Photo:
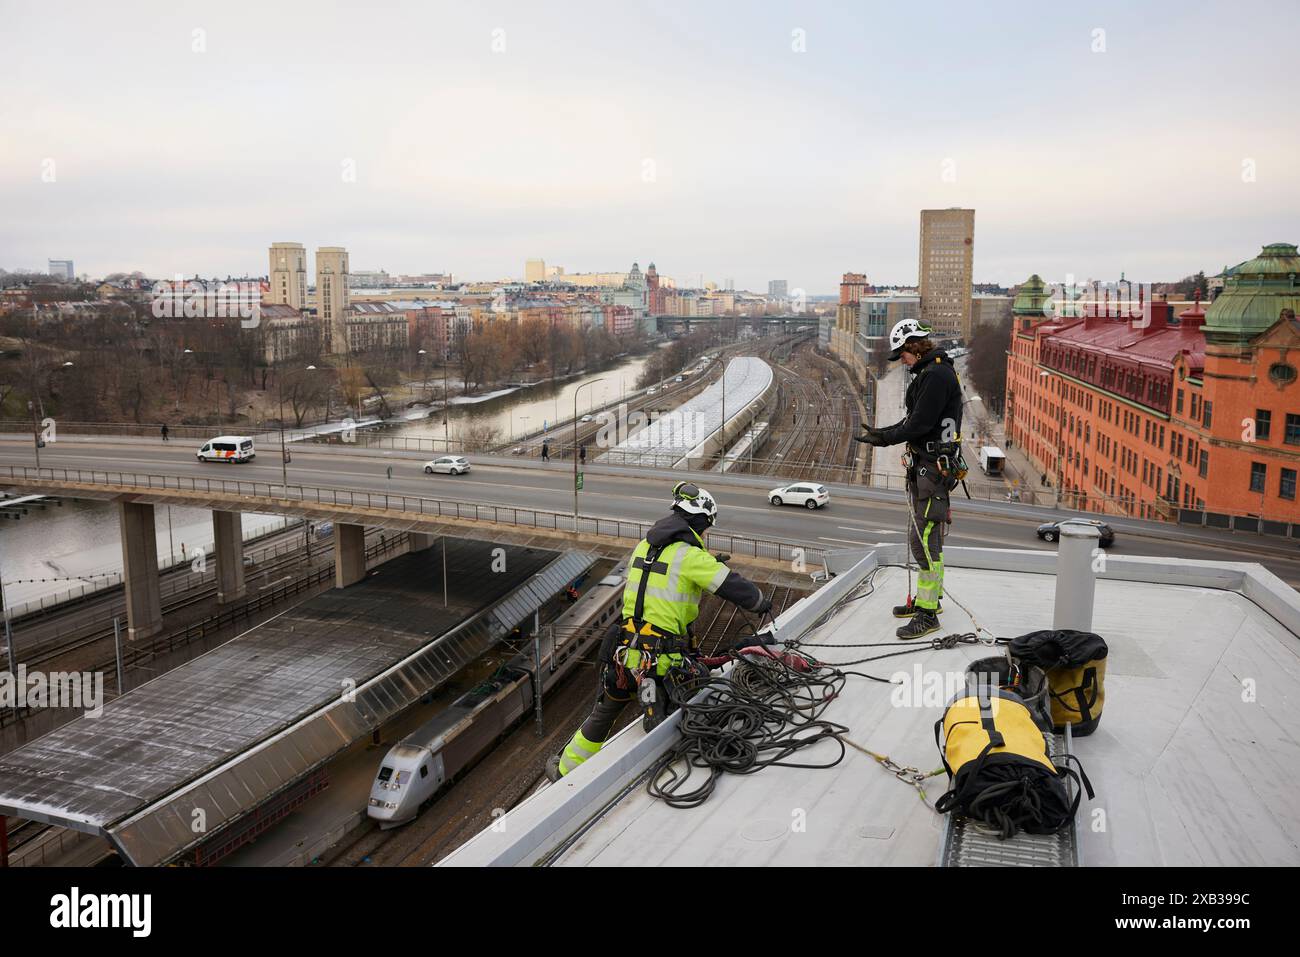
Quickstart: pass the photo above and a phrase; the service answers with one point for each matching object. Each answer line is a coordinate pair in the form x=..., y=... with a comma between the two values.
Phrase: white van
x=227, y=448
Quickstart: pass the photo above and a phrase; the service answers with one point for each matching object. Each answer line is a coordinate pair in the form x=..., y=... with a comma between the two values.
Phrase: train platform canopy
x=173, y=762
x=674, y=434
x=1196, y=760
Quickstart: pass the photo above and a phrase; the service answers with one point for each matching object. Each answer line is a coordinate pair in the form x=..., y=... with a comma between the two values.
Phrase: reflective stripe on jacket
x=677, y=577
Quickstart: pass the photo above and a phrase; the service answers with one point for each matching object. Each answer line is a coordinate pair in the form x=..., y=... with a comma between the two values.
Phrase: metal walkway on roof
x=966, y=844
x=170, y=764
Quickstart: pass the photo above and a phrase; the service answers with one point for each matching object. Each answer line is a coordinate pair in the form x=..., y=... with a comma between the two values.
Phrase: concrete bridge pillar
x=419, y=541
x=228, y=534
x=140, y=570
x=349, y=554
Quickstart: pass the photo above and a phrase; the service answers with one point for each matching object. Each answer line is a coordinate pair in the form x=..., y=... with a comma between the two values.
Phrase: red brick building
x=1193, y=417
x=853, y=286
x=654, y=294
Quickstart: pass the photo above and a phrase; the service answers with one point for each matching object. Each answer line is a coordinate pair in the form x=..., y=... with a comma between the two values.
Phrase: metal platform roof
x=215, y=737
x=1196, y=760
x=678, y=432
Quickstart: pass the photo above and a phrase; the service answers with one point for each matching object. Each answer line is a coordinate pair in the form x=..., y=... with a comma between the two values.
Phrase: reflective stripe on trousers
x=929, y=579
x=578, y=750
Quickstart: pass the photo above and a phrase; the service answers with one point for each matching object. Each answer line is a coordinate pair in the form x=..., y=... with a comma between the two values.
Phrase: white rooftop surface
x=681, y=430
x=1187, y=768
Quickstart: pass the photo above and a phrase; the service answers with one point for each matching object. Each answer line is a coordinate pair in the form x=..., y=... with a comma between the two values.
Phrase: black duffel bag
x=1075, y=663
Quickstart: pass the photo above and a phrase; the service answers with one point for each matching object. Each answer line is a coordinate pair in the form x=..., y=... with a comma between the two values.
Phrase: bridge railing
x=433, y=508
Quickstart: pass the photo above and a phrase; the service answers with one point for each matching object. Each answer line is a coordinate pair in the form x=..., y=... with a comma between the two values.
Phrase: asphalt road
x=846, y=522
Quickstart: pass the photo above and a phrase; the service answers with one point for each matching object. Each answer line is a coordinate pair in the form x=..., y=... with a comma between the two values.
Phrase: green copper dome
x=1031, y=297
x=1254, y=295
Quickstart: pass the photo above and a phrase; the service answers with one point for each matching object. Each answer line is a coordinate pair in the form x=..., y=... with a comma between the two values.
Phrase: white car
x=451, y=464
x=587, y=418
x=227, y=448
x=807, y=494
x=652, y=391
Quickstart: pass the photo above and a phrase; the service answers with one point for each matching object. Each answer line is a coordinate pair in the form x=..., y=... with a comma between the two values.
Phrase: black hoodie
x=677, y=526
x=933, y=403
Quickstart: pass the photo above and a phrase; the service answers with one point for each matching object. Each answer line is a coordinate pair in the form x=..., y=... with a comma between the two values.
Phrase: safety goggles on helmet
x=693, y=500
x=685, y=490
x=902, y=333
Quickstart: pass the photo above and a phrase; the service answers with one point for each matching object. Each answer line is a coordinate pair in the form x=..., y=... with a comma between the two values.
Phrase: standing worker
x=651, y=654
x=932, y=431
x=546, y=451
x=164, y=432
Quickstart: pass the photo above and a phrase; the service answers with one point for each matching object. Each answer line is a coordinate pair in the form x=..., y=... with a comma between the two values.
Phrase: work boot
x=910, y=609
x=922, y=623
x=553, y=768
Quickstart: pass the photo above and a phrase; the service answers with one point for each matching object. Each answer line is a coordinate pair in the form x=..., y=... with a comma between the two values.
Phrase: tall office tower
x=535, y=270
x=947, y=255
x=62, y=268
x=288, y=275
x=332, y=297
x=777, y=288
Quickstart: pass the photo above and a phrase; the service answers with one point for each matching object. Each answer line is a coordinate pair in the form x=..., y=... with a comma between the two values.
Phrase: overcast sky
x=696, y=135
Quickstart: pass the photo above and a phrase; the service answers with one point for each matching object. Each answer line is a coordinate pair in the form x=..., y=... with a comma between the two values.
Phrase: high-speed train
x=433, y=754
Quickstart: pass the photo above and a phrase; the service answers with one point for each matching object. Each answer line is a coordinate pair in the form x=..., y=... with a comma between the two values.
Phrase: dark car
x=1051, y=531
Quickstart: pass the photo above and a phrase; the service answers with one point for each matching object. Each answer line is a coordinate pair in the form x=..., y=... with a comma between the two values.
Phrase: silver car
x=449, y=464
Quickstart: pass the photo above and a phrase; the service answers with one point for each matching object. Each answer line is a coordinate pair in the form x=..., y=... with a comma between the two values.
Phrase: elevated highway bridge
x=520, y=501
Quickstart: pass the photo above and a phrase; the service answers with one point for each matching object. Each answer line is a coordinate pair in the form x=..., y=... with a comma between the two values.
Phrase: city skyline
x=472, y=140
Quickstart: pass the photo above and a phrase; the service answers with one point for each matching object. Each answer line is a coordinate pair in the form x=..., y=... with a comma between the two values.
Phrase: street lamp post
x=575, y=449
x=446, y=407
x=724, y=404
x=284, y=448
x=36, y=433
x=1058, y=448
x=176, y=405
x=10, y=653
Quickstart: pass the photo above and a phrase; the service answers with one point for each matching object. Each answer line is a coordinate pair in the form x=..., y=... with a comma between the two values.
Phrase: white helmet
x=901, y=333
x=693, y=500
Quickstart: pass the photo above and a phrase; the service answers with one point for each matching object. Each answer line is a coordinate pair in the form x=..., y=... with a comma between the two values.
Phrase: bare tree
x=478, y=436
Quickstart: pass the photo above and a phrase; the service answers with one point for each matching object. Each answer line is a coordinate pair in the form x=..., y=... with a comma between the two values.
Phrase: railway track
x=816, y=424
x=102, y=608
x=503, y=778
x=515, y=768
x=273, y=570
x=89, y=655
x=672, y=395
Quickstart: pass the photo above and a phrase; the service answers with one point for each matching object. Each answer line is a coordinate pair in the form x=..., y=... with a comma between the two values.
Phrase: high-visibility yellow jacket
x=668, y=584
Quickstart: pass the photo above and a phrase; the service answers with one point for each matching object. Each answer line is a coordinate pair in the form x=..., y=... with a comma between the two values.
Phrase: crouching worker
x=652, y=654
x=932, y=431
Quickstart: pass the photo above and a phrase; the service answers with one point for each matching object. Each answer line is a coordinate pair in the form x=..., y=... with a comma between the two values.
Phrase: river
x=529, y=409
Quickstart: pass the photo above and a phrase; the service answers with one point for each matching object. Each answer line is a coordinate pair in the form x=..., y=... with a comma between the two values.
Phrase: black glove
x=871, y=436
x=722, y=557
x=764, y=606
